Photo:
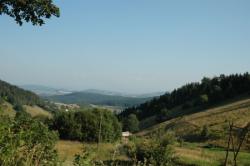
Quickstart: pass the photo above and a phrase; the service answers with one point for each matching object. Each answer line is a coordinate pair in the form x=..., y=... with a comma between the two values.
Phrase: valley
x=194, y=135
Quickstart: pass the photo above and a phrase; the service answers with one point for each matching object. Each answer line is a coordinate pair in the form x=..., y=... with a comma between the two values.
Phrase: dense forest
x=193, y=96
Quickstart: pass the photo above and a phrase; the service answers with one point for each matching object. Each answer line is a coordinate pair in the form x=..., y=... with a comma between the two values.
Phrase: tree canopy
x=89, y=125
x=131, y=123
x=34, y=11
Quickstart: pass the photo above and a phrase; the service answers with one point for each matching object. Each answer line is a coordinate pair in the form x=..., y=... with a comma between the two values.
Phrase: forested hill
x=17, y=96
x=193, y=97
x=83, y=98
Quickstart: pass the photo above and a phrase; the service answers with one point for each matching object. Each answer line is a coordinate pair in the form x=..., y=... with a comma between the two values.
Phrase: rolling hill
x=92, y=97
x=192, y=98
x=196, y=150
x=13, y=98
x=216, y=118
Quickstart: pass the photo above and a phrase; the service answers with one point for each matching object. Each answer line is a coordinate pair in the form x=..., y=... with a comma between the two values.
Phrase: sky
x=133, y=46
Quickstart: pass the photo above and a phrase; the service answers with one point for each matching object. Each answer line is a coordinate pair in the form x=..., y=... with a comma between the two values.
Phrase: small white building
x=126, y=134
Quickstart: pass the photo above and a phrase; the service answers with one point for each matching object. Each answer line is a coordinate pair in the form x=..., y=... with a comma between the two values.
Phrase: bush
x=26, y=142
x=18, y=107
x=86, y=158
x=151, y=152
x=205, y=133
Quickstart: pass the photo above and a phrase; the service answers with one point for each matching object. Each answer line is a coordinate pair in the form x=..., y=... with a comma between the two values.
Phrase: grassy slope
x=37, y=111
x=7, y=109
x=217, y=120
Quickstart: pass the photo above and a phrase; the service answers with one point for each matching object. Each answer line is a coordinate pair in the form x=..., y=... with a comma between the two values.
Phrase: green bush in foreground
x=86, y=158
x=152, y=152
x=26, y=142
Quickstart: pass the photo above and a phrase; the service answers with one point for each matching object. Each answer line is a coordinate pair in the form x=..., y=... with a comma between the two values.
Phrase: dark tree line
x=87, y=126
x=202, y=94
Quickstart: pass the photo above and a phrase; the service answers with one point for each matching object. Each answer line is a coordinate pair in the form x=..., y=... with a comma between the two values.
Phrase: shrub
x=205, y=132
x=151, y=152
x=86, y=158
x=26, y=142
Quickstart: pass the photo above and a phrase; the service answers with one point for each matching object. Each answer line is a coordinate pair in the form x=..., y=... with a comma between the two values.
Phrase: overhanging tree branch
x=34, y=11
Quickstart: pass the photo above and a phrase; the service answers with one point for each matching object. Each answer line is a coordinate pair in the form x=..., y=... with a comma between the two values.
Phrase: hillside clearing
x=216, y=118
x=35, y=111
x=6, y=109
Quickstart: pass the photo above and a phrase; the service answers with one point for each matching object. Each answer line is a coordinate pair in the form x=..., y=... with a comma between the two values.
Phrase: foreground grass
x=193, y=155
x=68, y=149
x=189, y=154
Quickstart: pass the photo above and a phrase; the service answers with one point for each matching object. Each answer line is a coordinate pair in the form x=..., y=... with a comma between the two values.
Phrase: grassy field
x=187, y=154
x=216, y=119
x=68, y=149
x=192, y=154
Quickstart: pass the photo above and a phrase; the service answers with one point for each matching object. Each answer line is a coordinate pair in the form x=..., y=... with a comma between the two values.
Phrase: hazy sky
x=131, y=46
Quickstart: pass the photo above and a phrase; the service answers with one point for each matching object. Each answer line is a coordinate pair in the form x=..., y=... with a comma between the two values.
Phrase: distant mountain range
x=83, y=98
x=112, y=93
x=91, y=96
x=48, y=91
x=44, y=90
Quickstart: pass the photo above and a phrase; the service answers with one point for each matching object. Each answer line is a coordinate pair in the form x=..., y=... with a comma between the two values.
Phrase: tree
x=85, y=125
x=131, y=123
x=205, y=132
x=163, y=115
x=34, y=11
